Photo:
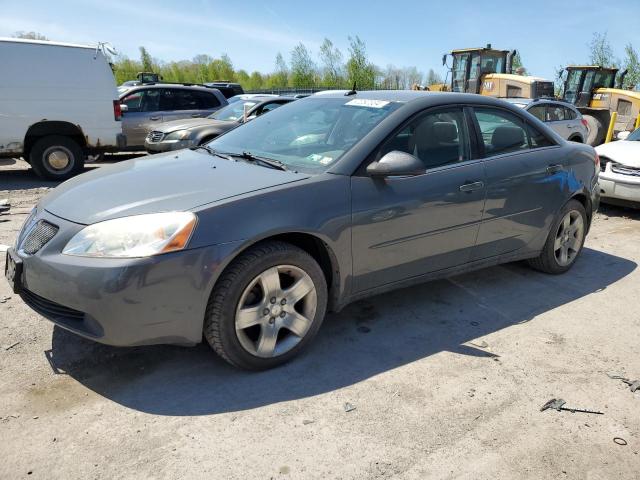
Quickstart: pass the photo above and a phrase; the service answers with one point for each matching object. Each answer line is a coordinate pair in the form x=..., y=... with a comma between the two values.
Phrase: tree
x=359, y=70
x=516, y=64
x=332, y=66
x=30, y=36
x=280, y=77
x=632, y=65
x=303, y=69
x=433, y=78
x=145, y=60
x=601, y=51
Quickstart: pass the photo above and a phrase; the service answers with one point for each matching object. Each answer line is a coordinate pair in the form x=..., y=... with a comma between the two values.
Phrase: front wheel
x=565, y=240
x=266, y=307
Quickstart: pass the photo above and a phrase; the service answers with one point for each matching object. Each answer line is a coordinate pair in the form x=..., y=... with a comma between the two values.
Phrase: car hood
x=159, y=183
x=188, y=123
x=622, y=151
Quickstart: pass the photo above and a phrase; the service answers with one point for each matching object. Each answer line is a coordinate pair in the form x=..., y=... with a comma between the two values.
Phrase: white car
x=620, y=169
x=58, y=104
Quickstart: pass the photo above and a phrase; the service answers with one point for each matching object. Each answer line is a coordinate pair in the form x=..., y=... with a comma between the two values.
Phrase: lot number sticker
x=364, y=102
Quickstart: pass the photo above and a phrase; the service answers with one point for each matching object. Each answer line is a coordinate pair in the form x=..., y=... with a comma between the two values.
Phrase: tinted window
x=184, y=100
x=555, y=113
x=537, y=139
x=143, y=101
x=269, y=107
x=437, y=138
x=569, y=114
x=206, y=100
x=538, y=112
x=502, y=132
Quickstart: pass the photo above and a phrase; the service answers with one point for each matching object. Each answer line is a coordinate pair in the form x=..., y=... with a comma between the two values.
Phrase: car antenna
x=352, y=91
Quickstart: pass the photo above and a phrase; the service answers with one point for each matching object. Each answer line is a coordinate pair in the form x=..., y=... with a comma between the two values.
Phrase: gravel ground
x=443, y=380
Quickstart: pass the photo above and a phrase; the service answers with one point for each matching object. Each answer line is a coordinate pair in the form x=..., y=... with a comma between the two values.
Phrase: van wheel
x=56, y=157
x=565, y=240
x=266, y=307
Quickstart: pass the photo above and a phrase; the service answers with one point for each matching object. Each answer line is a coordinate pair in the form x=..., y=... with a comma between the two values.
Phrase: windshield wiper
x=211, y=151
x=267, y=162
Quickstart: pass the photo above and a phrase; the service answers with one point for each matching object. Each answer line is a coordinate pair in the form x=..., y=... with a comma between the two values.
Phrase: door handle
x=571, y=126
x=195, y=115
x=154, y=118
x=470, y=187
x=551, y=169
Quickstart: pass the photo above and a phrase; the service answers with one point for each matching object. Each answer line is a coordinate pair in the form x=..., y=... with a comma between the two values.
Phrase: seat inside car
x=435, y=143
x=507, y=139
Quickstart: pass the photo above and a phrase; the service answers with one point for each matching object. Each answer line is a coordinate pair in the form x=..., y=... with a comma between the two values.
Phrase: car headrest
x=505, y=137
x=444, y=132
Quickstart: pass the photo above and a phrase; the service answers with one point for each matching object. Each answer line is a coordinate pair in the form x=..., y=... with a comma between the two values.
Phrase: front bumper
x=618, y=186
x=123, y=302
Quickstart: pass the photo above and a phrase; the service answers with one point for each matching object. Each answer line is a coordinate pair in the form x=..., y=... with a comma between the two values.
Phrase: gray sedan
x=252, y=238
x=196, y=131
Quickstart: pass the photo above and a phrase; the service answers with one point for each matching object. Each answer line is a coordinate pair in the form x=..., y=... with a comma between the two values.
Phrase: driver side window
x=437, y=138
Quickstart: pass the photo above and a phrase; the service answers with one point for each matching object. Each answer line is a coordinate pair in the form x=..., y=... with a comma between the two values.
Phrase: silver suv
x=561, y=116
x=146, y=106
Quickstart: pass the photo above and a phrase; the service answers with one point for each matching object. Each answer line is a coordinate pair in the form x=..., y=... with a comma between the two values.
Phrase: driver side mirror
x=396, y=164
x=124, y=107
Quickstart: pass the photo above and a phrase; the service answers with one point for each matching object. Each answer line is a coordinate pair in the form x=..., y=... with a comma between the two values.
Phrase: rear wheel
x=266, y=307
x=565, y=240
x=595, y=127
x=56, y=157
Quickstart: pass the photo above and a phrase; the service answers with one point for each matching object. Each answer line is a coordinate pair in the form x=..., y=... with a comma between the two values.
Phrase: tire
x=248, y=346
x=595, y=130
x=550, y=259
x=56, y=157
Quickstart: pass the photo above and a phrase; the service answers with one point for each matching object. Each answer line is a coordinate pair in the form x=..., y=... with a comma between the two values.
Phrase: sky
x=547, y=33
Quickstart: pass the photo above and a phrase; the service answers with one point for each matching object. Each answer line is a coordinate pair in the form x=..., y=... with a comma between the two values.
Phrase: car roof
x=529, y=102
x=170, y=85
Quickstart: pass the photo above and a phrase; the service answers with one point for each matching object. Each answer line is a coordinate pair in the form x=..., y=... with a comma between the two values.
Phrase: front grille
x=39, y=235
x=624, y=170
x=50, y=309
x=155, y=136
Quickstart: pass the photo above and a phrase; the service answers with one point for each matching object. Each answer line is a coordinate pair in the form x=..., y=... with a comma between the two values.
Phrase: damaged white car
x=620, y=169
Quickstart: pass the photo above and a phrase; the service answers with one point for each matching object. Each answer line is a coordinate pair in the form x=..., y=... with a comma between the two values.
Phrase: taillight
x=584, y=122
x=117, y=111
x=596, y=160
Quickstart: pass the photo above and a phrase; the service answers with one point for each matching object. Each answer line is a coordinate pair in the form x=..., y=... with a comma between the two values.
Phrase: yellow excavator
x=488, y=71
x=594, y=91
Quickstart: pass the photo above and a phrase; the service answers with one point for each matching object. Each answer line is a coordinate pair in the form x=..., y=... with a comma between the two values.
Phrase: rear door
x=178, y=103
x=404, y=227
x=143, y=112
x=557, y=120
x=526, y=182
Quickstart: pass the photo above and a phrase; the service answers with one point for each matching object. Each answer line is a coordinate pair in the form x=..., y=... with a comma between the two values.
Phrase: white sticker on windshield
x=365, y=102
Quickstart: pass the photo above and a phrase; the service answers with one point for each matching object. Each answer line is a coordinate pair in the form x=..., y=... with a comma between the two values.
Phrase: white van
x=58, y=104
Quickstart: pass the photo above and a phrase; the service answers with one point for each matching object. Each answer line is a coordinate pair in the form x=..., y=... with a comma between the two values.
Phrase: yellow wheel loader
x=593, y=90
x=489, y=72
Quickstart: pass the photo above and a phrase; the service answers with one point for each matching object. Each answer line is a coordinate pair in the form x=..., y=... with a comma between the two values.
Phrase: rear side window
x=437, y=138
x=502, y=132
x=555, y=113
x=569, y=114
x=206, y=101
x=537, y=139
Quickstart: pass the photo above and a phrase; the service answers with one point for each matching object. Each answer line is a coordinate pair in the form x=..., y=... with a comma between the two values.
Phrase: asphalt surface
x=442, y=380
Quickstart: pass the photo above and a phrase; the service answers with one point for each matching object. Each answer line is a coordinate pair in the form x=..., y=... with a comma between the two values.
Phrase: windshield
x=307, y=135
x=233, y=111
x=634, y=136
x=492, y=62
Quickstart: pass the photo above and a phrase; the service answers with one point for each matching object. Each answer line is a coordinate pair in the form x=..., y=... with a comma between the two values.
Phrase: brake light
x=117, y=111
x=584, y=122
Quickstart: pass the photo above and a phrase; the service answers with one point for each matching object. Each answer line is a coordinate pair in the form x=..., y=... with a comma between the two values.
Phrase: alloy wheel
x=275, y=311
x=569, y=238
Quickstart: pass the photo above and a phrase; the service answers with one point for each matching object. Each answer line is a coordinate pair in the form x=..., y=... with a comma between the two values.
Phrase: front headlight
x=135, y=236
x=178, y=135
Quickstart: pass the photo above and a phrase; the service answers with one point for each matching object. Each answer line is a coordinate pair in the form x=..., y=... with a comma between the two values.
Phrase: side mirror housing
x=622, y=135
x=396, y=164
x=124, y=107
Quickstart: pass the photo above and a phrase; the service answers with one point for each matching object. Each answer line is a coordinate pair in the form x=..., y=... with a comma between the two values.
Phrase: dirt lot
x=447, y=380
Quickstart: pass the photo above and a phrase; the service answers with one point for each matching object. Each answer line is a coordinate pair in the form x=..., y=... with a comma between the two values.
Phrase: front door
x=143, y=111
x=404, y=227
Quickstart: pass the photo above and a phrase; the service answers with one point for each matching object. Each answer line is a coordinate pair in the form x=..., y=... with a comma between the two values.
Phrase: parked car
x=228, y=89
x=620, y=169
x=191, y=132
x=563, y=117
x=252, y=238
x=146, y=106
x=248, y=96
x=58, y=104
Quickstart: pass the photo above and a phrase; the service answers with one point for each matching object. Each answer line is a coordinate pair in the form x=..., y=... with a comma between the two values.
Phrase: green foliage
x=359, y=70
x=632, y=65
x=30, y=35
x=601, y=51
x=145, y=60
x=302, y=67
x=332, y=69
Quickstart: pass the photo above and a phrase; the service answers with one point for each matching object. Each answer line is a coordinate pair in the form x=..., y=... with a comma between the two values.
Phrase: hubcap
x=57, y=158
x=569, y=238
x=275, y=311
